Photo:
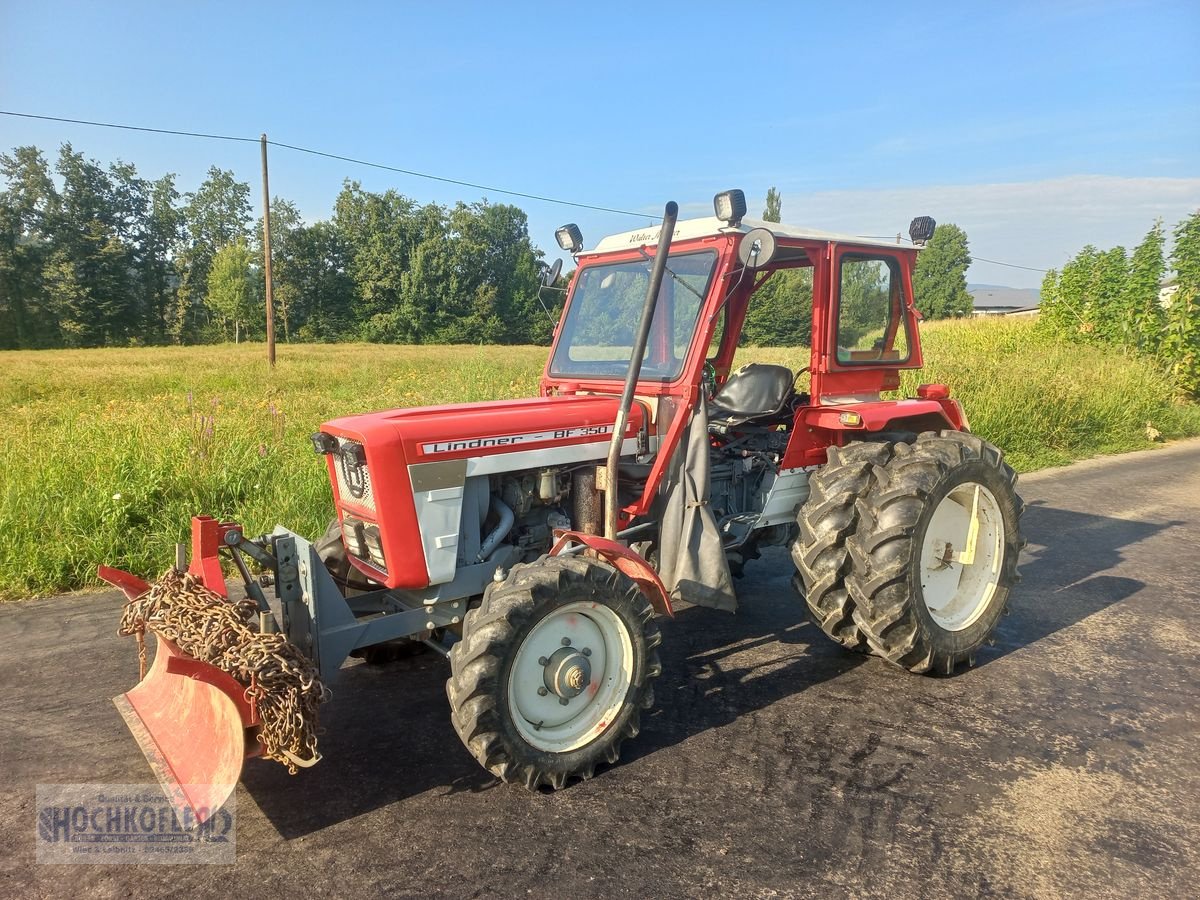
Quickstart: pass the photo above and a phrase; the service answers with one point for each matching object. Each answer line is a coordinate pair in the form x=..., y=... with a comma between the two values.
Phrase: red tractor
x=537, y=542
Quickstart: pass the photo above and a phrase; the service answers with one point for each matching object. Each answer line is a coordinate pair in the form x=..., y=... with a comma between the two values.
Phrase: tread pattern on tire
x=827, y=519
x=881, y=556
x=476, y=685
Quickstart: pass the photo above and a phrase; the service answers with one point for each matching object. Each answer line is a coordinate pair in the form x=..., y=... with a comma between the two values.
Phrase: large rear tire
x=827, y=519
x=935, y=553
x=553, y=671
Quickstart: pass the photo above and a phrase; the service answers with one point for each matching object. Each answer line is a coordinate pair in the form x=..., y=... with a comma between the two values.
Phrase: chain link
x=282, y=685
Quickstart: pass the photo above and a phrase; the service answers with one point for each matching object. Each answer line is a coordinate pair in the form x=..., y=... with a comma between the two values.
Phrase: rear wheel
x=827, y=519
x=935, y=552
x=553, y=671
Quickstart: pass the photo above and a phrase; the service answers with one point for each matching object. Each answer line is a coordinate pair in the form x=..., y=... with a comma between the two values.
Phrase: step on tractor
x=539, y=543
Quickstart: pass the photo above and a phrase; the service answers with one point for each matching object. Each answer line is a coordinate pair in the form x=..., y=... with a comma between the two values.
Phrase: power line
x=974, y=259
x=197, y=134
x=411, y=172
x=349, y=159
x=470, y=184
x=996, y=262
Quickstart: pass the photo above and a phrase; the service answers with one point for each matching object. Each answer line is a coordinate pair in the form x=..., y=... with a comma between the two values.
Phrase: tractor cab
x=845, y=300
x=863, y=327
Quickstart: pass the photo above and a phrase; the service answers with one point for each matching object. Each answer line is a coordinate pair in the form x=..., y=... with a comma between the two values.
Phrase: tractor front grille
x=353, y=479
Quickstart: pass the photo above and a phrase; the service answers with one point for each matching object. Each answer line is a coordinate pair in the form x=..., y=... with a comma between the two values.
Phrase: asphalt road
x=774, y=764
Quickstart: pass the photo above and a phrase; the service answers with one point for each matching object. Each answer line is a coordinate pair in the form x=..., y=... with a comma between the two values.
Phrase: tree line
x=94, y=255
x=1144, y=301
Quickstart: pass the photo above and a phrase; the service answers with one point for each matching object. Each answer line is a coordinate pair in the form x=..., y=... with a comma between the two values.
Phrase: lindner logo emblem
x=354, y=469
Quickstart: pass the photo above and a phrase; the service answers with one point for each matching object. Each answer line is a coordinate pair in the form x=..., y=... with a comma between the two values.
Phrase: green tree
x=216, y=214
x=1105, y=295
x=1142, y=312
x=28, y=207
x=940, y=276
x=321, y=305
x=1181, y=342
x=1052, y=314
x=231, y=287
x=286, y=224
x=161, y=236
x=91, y=268
x=381, y=231
x=495, y=274
x=780, y=312
x=1075, y=288
x=774, y=210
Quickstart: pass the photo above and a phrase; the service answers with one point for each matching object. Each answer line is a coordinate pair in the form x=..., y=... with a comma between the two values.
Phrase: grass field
x=108, y=453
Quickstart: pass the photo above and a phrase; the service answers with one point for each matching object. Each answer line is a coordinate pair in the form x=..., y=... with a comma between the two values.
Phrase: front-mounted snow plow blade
x=192, y=722
x=196, y=722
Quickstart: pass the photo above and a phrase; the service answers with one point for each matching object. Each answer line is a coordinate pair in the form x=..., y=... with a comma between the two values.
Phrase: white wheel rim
x=541, y=717
x=961, y=556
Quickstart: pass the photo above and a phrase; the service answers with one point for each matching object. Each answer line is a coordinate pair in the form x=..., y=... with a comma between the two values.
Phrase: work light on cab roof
x=730, y=207
x=538, y=543
x=570, y=238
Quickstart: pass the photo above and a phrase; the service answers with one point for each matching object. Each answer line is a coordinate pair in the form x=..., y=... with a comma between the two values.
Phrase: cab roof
x=711, y=225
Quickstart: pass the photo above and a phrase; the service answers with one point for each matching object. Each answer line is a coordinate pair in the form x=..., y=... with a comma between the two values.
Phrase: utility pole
x=267, y=258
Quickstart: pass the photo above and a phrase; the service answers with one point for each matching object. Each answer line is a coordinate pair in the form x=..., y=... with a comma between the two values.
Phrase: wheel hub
x=567, y=672
x=962, y=555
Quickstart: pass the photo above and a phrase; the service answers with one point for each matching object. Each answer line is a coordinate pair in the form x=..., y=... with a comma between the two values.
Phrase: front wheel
x=553, y=670
x=935, y=553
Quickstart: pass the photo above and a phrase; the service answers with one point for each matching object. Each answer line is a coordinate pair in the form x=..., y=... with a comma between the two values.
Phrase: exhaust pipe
x=635, y=368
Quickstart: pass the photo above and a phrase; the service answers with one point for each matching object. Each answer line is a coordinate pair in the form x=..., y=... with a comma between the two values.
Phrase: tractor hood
x=401, y=473
x=472, y=430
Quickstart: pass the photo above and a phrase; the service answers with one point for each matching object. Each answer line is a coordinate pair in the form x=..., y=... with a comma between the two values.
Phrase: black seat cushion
x=757, y=389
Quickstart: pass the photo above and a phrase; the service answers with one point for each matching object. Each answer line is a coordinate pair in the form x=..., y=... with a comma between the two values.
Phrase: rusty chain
x=282, y=685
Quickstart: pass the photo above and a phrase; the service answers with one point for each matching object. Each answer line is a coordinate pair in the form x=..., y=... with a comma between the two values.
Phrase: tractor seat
x=752, y=392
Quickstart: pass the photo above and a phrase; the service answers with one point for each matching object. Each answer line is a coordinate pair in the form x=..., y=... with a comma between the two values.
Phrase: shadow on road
x=1062, y=574
x=388, y=736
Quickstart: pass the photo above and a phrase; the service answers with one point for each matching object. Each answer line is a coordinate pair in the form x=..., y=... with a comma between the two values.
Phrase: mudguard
x=623, y=560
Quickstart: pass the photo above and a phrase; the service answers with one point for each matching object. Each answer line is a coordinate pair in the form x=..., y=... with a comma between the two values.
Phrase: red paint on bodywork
x=396, y=439
x=208, y=536
x=623, y=560
x=131, y=586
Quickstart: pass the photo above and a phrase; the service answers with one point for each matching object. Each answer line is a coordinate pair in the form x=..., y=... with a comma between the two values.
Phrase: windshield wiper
x=646, y=256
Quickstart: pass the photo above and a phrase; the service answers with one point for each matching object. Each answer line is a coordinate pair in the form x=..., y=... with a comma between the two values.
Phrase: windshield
x=597, y=336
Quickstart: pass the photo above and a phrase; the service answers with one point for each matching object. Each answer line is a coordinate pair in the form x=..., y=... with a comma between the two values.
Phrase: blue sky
x=1037, y=127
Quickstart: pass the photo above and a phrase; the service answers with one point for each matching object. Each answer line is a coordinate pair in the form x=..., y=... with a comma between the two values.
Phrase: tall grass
x=108, y=453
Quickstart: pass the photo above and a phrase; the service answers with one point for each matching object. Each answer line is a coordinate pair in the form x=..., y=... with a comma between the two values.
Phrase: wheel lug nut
x=586, y=651
x=563, y=701
x=542, y=692
x=543, y=661
x=566, y=642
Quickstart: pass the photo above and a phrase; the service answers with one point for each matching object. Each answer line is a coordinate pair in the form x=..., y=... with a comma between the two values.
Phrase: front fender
x=623, y=560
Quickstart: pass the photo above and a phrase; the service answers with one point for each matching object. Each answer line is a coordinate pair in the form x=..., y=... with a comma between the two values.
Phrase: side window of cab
x=872, y=326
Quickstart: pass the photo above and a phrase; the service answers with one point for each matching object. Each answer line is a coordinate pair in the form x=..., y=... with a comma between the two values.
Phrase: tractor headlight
x=730, y=207
x=374, y=542
x=570, y=238
x=324, y=443
x=352, y=536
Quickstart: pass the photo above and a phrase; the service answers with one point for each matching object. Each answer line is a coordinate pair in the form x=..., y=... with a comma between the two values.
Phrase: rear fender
x=623, y=560
x=820, y=427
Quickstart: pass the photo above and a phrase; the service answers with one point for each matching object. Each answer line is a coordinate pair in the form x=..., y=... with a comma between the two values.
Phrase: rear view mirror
x=551, y=272
x=757, y=248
